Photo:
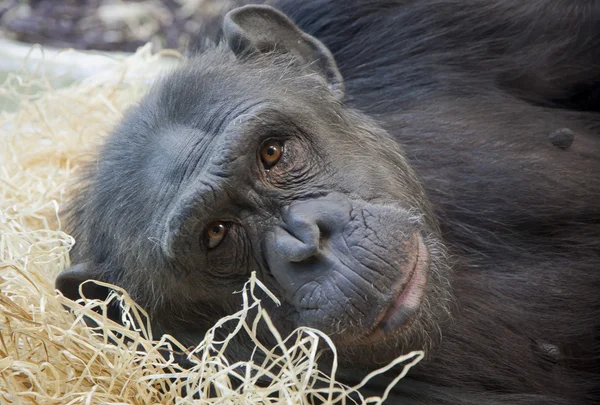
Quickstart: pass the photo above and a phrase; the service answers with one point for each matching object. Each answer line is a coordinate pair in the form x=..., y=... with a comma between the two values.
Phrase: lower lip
x=407, y=301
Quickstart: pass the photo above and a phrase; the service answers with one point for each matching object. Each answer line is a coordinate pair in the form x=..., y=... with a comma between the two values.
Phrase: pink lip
x=409, y=293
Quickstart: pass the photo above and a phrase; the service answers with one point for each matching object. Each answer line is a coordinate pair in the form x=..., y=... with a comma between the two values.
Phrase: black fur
x=473, y=91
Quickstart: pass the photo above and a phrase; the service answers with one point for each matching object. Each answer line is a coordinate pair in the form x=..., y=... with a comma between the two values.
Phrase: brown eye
x=270, y=153
x=216, y=232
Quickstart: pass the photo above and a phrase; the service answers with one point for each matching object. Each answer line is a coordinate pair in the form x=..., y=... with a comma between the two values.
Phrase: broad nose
x=307, y=229
x=300, y=238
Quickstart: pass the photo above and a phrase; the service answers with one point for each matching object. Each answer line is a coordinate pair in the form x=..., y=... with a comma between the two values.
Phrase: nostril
x=324, y=232
x=304, y=255
x=309, y=225
x=300, y=246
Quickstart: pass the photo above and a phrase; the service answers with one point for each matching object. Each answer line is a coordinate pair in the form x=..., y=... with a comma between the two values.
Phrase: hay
x=49, y=355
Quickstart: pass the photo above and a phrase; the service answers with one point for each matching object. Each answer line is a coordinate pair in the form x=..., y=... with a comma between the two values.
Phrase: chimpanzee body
x=474, y=92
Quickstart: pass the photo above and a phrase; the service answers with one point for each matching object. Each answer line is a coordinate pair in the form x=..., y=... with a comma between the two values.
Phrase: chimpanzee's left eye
x=270, y=153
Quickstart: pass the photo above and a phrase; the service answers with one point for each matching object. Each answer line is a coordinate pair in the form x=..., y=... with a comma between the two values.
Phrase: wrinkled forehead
x=214, y=88
x=217, y=142
x=217, y=99
x=215, y=109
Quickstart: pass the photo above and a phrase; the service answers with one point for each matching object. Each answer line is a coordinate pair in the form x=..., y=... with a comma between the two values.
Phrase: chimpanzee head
x=247, y=159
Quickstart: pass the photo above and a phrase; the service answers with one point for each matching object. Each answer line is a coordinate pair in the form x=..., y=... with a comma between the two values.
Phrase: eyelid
x=264, y=160
x=212, y=243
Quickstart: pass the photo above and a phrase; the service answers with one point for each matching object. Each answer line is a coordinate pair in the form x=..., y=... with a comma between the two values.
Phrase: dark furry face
x=338, y=227
x=251, y=157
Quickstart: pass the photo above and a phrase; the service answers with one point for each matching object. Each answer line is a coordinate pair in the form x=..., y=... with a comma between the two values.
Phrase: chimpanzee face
x=246, y=159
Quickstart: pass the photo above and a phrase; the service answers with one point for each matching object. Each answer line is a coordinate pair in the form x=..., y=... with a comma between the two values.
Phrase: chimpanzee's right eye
x=216, y=233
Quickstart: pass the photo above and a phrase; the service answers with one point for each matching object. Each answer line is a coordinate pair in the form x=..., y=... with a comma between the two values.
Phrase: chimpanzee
x=402, y=174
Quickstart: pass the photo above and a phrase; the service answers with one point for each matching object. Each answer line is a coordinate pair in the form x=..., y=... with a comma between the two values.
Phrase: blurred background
x=111, y=25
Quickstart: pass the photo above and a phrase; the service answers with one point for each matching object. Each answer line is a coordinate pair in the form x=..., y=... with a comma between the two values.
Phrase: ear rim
x=232, y=32
x=332, y=73
x=243, y=47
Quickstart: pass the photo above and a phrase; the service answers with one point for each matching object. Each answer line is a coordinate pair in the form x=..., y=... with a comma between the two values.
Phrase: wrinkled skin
x=418, y=201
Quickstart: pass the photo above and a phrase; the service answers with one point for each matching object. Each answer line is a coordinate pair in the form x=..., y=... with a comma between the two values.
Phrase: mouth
x=408, y=295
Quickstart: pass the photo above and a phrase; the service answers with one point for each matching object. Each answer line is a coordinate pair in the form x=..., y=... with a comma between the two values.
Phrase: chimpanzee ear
x=69, y=280
x=261, y=29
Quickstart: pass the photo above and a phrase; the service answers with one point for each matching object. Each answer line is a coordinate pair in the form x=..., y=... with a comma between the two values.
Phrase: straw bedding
x=47, y=354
